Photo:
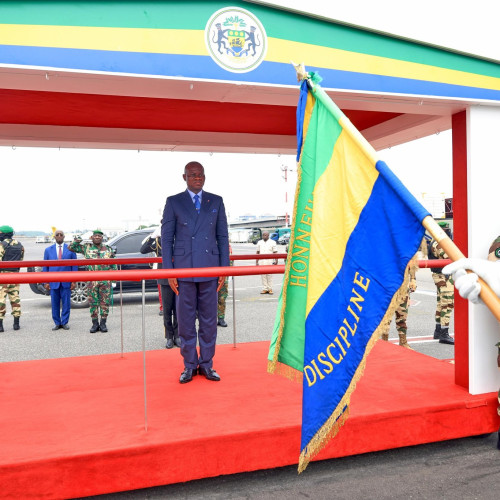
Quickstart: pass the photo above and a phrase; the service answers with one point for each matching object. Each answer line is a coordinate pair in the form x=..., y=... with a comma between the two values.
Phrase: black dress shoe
x=187, y=375
x=209, y=373
x=177, y=341
x=56, y=327
x=221, y=322
x=170, y=344
x=65, y=327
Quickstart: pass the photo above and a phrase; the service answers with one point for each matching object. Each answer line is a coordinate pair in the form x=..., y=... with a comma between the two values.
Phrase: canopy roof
x=145, y=75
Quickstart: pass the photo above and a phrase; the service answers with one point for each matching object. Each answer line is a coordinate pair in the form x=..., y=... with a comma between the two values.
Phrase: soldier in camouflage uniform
x=401, y=313
x=221, y=304
x=469, y=288
x=445, y=292
x=221, y=299
x=100, y=292
x=10, y=249
x=494, y=256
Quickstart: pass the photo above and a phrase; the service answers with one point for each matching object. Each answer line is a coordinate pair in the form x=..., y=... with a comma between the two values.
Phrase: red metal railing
x=120, y=261
x=425, y=263
x=140, y=274
x=148, y=260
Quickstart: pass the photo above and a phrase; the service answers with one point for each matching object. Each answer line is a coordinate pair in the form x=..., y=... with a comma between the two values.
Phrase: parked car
x=276, y=234
x=285, y=239
x=126, y=245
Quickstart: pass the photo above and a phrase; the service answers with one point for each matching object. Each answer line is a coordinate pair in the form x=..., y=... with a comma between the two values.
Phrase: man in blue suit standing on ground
x=60, y=293
x=194, y=234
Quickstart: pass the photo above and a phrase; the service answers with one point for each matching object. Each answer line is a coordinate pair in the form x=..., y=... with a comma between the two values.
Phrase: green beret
x=6, y=229
x=444, y=224
x=98, y=231
x=495, y=246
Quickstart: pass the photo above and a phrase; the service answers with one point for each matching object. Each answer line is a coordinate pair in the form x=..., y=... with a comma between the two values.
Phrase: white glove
x=467, y=284
x=156, y=233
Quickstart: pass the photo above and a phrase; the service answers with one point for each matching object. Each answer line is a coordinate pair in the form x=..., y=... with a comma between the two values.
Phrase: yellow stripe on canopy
x=160, y=41
x=192, y=42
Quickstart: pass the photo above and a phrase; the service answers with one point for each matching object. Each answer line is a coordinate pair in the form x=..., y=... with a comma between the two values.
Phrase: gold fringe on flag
x=278, y=368
x=274, y=366
x=337, y=419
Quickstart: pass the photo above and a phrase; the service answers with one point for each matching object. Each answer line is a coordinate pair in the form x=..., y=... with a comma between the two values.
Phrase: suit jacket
x=189, y=239
x=51, y=254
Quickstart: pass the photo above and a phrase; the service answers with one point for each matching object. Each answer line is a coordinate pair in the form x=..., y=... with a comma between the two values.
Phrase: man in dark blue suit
x=60, y=293
x=194, y=234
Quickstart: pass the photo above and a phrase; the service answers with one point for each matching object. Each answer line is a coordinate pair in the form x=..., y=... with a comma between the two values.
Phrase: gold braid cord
x=337, y=419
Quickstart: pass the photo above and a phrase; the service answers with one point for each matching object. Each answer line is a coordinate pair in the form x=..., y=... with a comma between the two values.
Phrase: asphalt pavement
x=250, y=317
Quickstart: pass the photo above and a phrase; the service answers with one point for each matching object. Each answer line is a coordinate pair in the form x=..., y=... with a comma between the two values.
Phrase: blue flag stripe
x=386, y=237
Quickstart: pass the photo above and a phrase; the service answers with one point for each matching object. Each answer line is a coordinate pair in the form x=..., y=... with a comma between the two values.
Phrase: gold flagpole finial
x=300, y=69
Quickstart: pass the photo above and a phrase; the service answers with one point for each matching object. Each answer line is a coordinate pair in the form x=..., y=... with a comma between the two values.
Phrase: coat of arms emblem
x=236, y=40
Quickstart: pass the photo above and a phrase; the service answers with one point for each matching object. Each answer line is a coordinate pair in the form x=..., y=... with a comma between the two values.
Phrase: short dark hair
x=193, y=164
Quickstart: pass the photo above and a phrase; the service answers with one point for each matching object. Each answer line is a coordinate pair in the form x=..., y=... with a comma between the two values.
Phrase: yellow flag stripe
x=347, y=184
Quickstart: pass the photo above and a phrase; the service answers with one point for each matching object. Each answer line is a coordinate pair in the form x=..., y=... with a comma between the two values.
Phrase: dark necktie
x=60, y=252
x=197, y=205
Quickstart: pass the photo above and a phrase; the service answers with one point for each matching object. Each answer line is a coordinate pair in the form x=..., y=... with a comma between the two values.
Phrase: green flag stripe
x=313, y=163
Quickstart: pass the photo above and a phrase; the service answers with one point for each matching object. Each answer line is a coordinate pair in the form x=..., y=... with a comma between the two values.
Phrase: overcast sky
x=467, y=26
x=88, y=190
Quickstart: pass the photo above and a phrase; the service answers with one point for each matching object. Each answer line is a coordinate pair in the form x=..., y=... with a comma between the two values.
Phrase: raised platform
x=75, y=426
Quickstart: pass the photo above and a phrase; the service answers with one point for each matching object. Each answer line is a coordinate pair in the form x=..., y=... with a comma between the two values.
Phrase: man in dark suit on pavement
x=194, y=234
x=60, y=293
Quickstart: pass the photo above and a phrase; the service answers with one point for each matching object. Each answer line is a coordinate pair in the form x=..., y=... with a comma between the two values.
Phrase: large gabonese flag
x=355, y=229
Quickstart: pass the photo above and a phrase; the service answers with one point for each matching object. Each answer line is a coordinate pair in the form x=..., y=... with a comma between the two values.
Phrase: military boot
x=437, y=332
x=103, y=326
x=385, y=336
x=95, y=326
x=1, y=325
x=445, y=337
x=16, y=323
x=403, y=342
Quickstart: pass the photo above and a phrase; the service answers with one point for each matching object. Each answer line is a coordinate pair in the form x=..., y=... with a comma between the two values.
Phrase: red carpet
x=75, y=426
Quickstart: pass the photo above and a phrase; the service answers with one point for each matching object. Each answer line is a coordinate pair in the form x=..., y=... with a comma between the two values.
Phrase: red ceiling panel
x=90, y=110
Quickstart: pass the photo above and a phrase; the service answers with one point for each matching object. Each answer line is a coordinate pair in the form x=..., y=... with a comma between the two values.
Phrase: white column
x=483, y=185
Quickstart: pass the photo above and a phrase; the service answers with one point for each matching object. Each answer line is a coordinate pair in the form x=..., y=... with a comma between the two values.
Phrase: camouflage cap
x=6, y=229
x=495, y=247
x=97, y=231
